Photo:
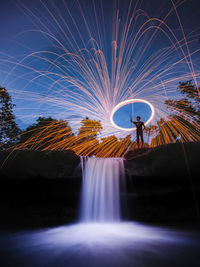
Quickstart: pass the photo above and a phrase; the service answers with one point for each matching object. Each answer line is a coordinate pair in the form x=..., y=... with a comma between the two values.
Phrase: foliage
x=112, y=147
x=86, y=142
x=9, y=130
x=46, y=133
x=90, y=128
x=183, y=124
x=189, y=107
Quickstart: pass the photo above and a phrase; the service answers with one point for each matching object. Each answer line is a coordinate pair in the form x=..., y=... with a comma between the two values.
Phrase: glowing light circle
x=129, y=101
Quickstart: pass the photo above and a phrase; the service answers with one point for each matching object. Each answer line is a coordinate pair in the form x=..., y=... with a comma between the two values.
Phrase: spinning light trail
x=93, y=65
x=128, y=102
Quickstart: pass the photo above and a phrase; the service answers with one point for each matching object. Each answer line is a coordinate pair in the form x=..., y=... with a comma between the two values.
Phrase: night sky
x=19, y=36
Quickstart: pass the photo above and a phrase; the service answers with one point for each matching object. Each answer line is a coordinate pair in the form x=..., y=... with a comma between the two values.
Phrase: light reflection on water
x=100, y=244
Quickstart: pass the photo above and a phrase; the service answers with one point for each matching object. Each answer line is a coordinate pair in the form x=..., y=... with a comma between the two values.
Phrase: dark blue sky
x=13, y=21
x=19, y=36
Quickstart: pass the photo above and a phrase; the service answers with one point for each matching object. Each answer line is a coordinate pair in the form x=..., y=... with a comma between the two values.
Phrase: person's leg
x=142, y=140
x=138, y=141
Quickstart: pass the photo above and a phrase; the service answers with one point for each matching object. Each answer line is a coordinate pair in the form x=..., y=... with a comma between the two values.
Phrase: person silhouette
x=139, y=130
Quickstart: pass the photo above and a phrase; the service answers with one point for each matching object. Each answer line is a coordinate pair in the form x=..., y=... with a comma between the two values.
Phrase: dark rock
x=163, y=183
x=30, y=203
x=28, y=164
x=161, y=186
x=169, y=160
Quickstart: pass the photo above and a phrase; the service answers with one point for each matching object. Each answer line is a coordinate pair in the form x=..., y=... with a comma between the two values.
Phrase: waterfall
x=100, y=199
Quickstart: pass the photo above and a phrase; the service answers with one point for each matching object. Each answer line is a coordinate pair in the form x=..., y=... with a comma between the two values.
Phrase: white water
x=99, y=244
x=100, y=199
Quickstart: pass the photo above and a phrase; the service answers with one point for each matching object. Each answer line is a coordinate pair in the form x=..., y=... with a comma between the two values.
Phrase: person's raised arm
x=132, y=121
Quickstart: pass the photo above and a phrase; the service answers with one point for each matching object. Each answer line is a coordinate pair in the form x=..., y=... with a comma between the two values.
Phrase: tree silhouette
x=87, y=141
x=89, y=130
x=46, y=133
x=183, y=124
x=9, y=130
x=189, y=106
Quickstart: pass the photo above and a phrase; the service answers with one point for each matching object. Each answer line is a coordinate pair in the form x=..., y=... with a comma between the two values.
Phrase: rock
x=169, y=160
x=27, y=164
x=42, y=187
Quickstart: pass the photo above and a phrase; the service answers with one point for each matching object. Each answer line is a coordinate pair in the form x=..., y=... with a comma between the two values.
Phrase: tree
x=46, y=133
x=9, y=130
x=87, y=139
x=108, y=146
x=189, y=106
x=111, y=146
x=183, y=124
x=89, y=129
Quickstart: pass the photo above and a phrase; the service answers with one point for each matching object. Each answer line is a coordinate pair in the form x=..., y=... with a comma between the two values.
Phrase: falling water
x=101, y=239
x=101, y=188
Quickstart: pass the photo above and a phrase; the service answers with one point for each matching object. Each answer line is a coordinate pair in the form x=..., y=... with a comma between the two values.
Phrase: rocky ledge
x=42, y=188
x=30, y=164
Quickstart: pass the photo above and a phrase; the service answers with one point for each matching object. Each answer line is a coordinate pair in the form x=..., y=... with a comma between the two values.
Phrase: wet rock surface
x=41, y=189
